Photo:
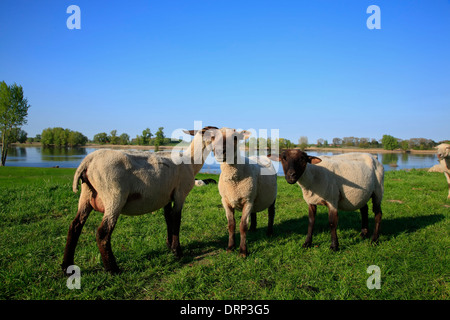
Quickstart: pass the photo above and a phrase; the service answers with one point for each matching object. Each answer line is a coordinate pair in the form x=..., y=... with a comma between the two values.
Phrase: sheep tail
x=81, y=168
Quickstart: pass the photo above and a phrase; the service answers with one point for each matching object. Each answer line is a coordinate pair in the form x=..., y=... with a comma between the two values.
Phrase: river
x=32, y=156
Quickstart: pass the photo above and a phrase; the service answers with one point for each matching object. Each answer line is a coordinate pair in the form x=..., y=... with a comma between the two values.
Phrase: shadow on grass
x=390, y=227
x=196, y=251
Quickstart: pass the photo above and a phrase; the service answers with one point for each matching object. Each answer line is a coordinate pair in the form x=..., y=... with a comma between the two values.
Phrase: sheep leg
x=243, y=228
x=176, y=223
x=333, y=221
x=378, y=213
x=364, y=221
x=104, y=232
x=231, y=226
x=84, y=209
x=168, y=217
x=312, y=209
x=253, y=221
x=271, y=218
x=447, y=176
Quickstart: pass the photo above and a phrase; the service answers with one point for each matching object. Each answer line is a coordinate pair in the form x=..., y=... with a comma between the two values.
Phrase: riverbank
x=316, y=149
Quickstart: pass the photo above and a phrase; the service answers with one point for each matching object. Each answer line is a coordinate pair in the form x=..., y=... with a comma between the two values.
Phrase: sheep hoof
x=374, y=240
x=334, y=248
x=114, y=270
x=307, y=245
x=177, y=252
x=243, y=252
x=64, y=267
x=363, y=234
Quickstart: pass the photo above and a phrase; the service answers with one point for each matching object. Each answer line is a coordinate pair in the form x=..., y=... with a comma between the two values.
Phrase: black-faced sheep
x=245, y=184
x=345, y=182
x=116, y=182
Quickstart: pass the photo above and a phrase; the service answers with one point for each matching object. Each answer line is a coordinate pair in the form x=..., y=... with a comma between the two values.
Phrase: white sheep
x=118, y=182
x=443, y=154
x=343, y=182
x=245, y=184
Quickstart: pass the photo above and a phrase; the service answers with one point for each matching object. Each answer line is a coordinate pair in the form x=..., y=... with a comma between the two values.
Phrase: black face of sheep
x=294, y=163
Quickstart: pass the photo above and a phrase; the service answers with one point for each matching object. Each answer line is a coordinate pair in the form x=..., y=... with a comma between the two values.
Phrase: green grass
x=37, y=205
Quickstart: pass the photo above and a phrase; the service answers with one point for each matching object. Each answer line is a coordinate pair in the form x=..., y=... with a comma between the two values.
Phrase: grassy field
x=37, y=205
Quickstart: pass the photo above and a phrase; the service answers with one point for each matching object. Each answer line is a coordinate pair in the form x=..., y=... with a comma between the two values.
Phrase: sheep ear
x=314, y=160
x=244, y=135
x=274, y=157
x=191, y=132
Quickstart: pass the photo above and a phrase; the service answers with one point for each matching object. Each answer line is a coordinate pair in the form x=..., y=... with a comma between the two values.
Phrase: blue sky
x=307, y=68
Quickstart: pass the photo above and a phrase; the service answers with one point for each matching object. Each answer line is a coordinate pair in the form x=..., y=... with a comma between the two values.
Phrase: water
x=72, y=157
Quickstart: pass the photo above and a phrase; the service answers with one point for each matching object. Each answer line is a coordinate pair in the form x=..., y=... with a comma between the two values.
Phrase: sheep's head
x=294, y=163
x=201, y=144
x=443, y=151
x=205, y=135
x=226, y=144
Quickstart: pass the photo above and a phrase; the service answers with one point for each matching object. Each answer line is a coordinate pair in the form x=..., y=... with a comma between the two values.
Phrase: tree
x=47, y=137
x=404, y=145
x=76, y=138
x=364, y=143
x=60, y=137
x=21, y=136
x=284, y=143
x=320, y=142
x=13, y=114
x=146, y=137
x=159, y=139
x=101, y=138
x=303, y=142
x=348, y=141
x=124, y=139
x=389, y=142
x=113, y=138
x=337, y=141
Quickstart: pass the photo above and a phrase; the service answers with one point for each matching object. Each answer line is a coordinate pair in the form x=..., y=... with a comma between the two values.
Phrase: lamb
x=116, y=182
x=343, y=182
x=245, y=184
x=443, y=154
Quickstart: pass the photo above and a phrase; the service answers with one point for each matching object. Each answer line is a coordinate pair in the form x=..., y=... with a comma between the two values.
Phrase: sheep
x=204, y=182
x=245, y=184
x=118, y=182
x=443, y=154
x=343, y=182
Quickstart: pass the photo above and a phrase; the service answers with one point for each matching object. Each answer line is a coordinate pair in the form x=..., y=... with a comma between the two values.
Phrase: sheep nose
x=291, y=175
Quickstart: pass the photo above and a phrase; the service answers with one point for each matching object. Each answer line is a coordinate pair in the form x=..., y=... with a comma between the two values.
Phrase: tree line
x=387, y=142
x=60, y=137
x=145, y=139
